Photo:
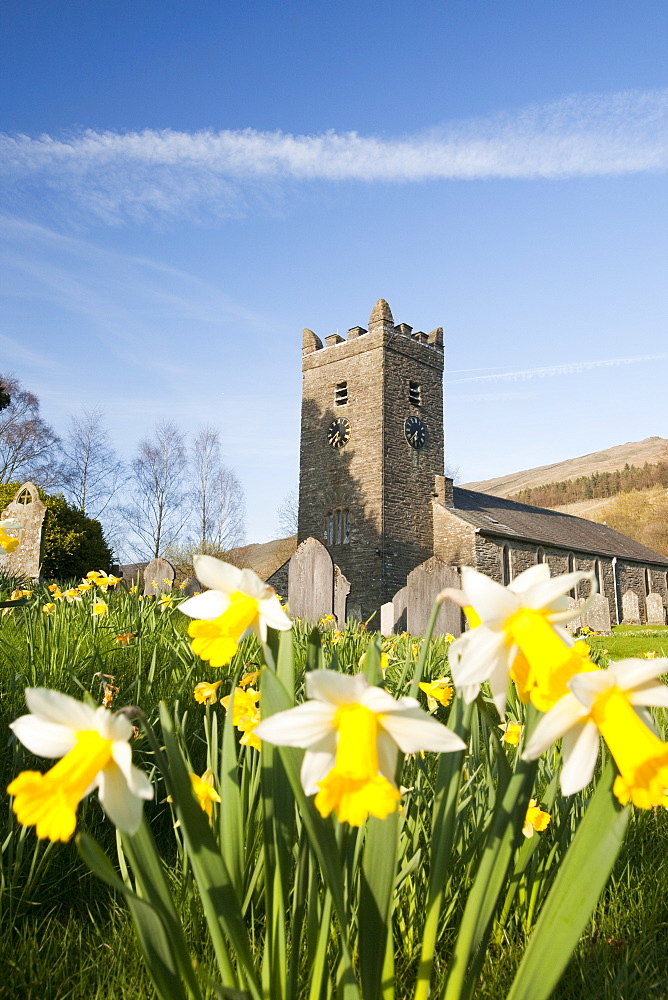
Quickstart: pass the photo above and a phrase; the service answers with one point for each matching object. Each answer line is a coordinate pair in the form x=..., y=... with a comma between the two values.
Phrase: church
x=373, y=489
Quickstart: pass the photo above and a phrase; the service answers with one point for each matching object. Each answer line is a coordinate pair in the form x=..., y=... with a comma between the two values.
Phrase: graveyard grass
x=65, y=936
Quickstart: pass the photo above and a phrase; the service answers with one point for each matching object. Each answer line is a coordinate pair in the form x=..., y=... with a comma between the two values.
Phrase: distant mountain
x=651, y=450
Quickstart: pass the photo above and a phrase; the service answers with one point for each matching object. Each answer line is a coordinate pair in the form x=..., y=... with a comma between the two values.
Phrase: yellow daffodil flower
x=72, y=595
x=522, y=618
x=166, y=601
x=93, y=745
x=449, y=637
x=249, y=678
x=7, y=542
x=609, y=703
x=53, y=587
x=100, y=608
x=206, y=693
x=237, y=603
x=245, y=714
x=335, y=636
x=384, y=662
x=438, y=692
x=352, y=733
x=650, y=654
x=125, y=639
x=84, y=587
x=512, y=732
x=535, y=819
x=204, y=791
x=49, y=609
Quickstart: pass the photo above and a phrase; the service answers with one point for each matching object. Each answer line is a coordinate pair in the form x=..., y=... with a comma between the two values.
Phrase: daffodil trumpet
x=352, y=732
x=516, y=633
x=611, y=704
x=95, y=754
x=237, y=603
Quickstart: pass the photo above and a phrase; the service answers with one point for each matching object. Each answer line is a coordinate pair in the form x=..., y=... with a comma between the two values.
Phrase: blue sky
x=183, y=187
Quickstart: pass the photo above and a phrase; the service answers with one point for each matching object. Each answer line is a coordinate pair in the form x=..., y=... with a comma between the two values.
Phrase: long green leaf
x=219, y=899
x=379, y=863
x=153, y=930
x=574, y=894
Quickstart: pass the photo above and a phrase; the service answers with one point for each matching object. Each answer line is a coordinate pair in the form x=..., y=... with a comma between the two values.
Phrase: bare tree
x=28, y=446
x=288, y=513
x=159, y=472
x=217, y=497
x=91, y=473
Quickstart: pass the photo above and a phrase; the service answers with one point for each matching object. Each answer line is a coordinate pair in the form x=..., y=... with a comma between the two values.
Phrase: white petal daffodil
x=93, y=745
x=516, y=633
x=237, y=603
x=610, y=703
x=351, y=732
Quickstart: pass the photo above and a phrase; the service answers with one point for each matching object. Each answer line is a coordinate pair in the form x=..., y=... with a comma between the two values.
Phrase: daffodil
x=650, y=654
x=512, y=731
x=609, y=703
x=94, y=750
x=204, y=791
x=384, y=662
x=206, y=693
x=84, y=587
x=351, y=732
x=535, y=819
x=166, y=601
x=49, y=609
x=100, y=608
x=125, y=638
x=519, y=629
x=438, y=692
x=72, y=595
x=237, y=603
x=7, y=542
x=245, y=714
x=449, y=637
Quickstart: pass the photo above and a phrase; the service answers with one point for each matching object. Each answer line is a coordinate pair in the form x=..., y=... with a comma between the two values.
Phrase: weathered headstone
x=574, y=624
x=656, y=614
x=387, y=618
x=630, y=608
x=597, y=615
x=399, y=604
x=27, y=510
x=158, y=576
x=311, y=581
x=423, y=585
x=190, y=587
x=341, y=591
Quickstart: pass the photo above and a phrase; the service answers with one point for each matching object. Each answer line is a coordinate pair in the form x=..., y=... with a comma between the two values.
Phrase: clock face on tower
x=415, y=431
x=338, y=432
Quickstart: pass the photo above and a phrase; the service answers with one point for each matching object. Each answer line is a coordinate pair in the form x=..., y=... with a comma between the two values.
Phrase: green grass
x=63, y=936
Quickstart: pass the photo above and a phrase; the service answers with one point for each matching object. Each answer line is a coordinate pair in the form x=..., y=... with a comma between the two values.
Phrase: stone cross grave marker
x=656, y=614
x=311, y=581
x=630, y=608
x=27, y=510
x=158, y=577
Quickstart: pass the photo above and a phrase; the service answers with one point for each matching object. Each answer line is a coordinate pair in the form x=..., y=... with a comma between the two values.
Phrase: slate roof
x=498, y=516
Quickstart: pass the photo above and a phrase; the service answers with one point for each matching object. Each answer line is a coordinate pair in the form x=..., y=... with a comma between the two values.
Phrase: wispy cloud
x=171, y=173
x=567, y=368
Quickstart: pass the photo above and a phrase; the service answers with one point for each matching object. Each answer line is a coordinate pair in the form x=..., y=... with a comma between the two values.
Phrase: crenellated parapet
x=381, y=322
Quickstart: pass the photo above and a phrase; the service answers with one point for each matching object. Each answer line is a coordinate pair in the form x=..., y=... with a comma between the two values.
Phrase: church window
x=341, y=394
x=337, y=527
x=415, y=393
x=599, y=577
x=540, y=555
x=648, y=582
x=570, y=568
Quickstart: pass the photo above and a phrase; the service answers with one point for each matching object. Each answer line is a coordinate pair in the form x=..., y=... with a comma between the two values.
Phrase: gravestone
x=597, y=615
x=423, y=585
x=387, y=618
x=400, y=606
x=27, y=510
x=341, y=591
x=158, y=577
x=190, y=587
x=630, y=608
x=311, y=581
x=574, y=624
x=656, y=614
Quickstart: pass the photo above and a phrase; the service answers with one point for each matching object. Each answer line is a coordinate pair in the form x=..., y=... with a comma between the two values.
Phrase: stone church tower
x=371, y=462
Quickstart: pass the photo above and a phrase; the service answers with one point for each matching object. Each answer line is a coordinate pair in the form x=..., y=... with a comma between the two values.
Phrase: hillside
x=651, y=450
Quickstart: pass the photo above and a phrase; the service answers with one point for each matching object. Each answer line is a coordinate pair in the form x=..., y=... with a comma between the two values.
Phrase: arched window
x=336, y=529
x=540, y=554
